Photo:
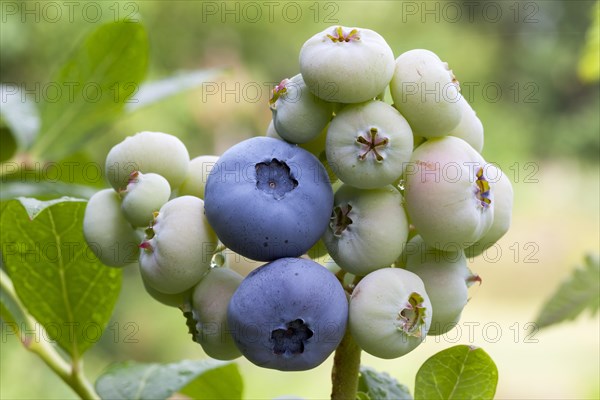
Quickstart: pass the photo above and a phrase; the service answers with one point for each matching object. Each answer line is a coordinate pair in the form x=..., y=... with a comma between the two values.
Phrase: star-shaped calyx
x=373, y=142
x=339, y=36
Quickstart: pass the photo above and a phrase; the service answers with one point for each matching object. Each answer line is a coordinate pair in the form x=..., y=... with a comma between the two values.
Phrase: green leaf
x=156, y=91
x=56, y=276
x=20, y=115
x=93, y=87
x=589, y=62
x=580, y=291
x=380, y=386
x=204, y=378
x=34, y=207
x=220, y=383
x=460, y=372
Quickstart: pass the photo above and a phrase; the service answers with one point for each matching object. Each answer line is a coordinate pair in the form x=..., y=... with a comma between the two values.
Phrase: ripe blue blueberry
x=289, y=314
x=268, y=199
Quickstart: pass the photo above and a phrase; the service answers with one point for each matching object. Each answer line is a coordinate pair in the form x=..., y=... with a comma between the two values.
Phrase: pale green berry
x=195, y=181
x=363, y=223
x=271, y=132
x=145, y=194
x=503, y=196
x=426, y=93
x=470, y=128
x=390, y=312
x=172, y=300
x=346, y=65
x=368, y=144
x=298, y=115
x=210, y=300
x=156, y=152
x=316, y=146
x=418, y=140
x=446, y=278
x=449, y=197
x=110, y=236
x=178, y=247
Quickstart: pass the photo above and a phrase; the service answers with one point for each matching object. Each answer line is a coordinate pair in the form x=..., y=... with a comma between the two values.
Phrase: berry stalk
x=346, y=360
x=71, y=373
x=346, y=365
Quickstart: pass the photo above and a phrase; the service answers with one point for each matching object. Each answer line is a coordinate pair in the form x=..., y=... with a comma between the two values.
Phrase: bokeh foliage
x=530, y=52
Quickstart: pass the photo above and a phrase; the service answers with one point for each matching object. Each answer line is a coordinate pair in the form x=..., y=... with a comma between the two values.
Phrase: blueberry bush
x=359, y=207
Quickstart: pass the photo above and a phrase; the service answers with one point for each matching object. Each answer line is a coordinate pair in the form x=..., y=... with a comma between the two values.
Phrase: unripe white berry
x=156, y=152
x=145, y=194
x=110, y=236
x=346, y=65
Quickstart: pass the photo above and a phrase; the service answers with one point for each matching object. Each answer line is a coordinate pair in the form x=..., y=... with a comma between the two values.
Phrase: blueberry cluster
x=353, y=214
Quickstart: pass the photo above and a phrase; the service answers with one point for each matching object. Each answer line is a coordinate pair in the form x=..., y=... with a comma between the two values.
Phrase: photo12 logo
x=493, y=12
x=269, y=11
x=69, y=92
x=69, y=11
x=53, y=332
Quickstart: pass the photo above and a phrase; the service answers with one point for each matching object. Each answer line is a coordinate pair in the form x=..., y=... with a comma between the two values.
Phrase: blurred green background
x=520, y=66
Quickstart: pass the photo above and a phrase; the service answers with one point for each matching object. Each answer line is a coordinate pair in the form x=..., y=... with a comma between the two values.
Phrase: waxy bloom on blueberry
x=268, y=199
x=289, y=314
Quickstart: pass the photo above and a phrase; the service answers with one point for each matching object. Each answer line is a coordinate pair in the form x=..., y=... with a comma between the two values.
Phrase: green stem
x=71, y=374
x=346, y=366
x=346, y=360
